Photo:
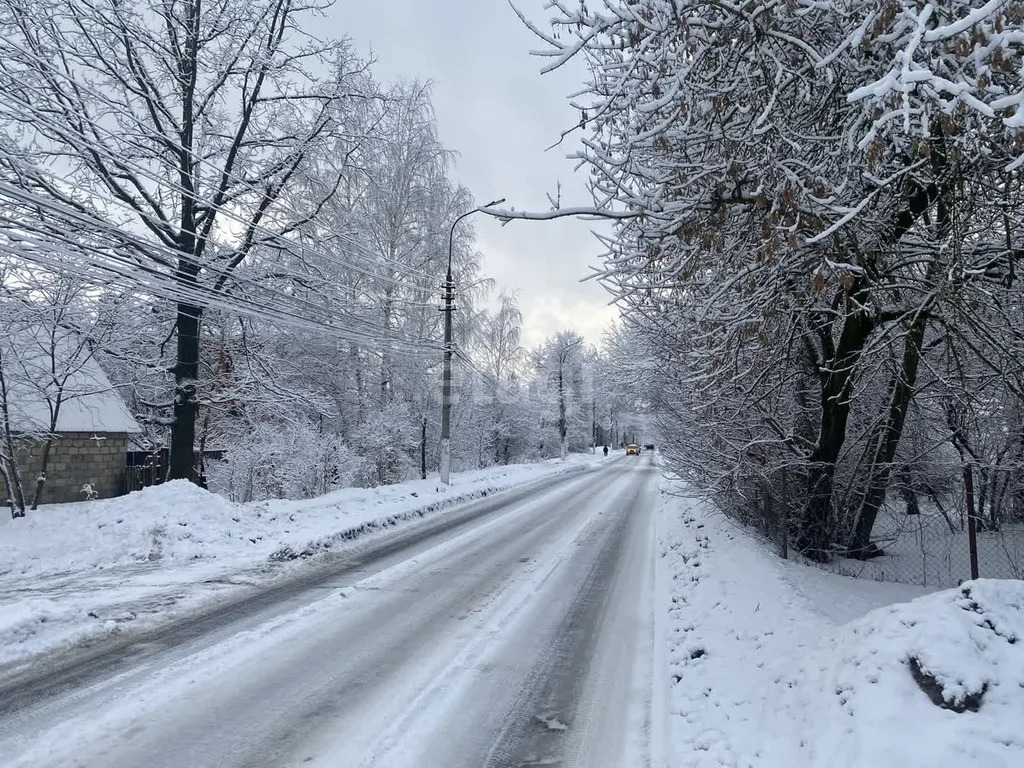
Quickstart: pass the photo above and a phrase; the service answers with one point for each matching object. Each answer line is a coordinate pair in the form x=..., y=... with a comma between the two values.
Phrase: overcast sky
x=500, y=114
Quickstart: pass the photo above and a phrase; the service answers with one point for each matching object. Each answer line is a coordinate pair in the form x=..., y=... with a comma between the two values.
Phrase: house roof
x=90, y=402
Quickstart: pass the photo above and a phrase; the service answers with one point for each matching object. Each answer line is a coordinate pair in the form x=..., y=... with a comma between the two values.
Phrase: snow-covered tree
x=813, y=197
x=54, y=326
x=168, y=133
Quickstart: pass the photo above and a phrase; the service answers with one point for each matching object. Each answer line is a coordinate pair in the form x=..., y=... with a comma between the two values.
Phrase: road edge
x=271, y=576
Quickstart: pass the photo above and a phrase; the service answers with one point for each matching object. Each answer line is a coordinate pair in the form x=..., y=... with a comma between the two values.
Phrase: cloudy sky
x=497, y=111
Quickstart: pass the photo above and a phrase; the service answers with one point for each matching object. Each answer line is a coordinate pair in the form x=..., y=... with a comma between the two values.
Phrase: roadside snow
x=936, y=682
x=70, y=572
x=764, y=670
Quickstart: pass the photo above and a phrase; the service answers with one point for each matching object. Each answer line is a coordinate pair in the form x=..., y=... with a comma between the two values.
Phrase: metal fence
x=938, y=548
x=145, y=468
x=138, y=477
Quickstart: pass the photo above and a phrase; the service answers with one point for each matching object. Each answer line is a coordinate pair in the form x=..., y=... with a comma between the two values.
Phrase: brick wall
x=76, y=458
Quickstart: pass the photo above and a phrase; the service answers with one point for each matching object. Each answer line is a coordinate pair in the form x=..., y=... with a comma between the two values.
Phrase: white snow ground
x=772, y=664
x=524, y=638
x=73, y=572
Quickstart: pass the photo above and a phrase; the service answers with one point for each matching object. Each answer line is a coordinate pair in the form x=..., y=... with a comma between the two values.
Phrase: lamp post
x=446, y=385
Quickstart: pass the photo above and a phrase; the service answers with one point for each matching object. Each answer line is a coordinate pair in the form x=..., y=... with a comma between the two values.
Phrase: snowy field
x=71, y=572
x=772, y=664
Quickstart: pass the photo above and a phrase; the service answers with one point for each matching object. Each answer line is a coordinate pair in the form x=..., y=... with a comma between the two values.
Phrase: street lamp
x=446, y=385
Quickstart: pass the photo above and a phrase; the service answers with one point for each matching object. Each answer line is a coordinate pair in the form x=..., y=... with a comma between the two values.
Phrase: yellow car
x=632, y=450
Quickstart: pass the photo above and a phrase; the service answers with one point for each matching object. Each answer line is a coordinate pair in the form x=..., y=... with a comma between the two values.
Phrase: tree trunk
x=561, y=413
x=12, y=488
x=593, y=426
x=189, y=317
x=906, y=376
x=1017, y=500
x=182, y=462
x=8, y=456
x=972, y=539
x=889, y=440
x=12, y=482
x=386, y=389
x=37, y=497
x=202, y=478
x=357, y=382
x=186, y=374
x=423, y=450
x=813, y=536
x=498, y=414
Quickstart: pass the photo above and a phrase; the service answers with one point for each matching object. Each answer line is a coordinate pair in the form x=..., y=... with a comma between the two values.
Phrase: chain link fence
x=940, y=545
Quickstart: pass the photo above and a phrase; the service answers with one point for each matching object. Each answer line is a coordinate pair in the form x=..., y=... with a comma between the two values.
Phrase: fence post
x=972, y=528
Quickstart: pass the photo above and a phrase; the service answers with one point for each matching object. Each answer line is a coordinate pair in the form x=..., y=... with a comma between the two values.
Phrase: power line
x=73, y=137
x=21, y=226
x=141, y=248
x=105, y=265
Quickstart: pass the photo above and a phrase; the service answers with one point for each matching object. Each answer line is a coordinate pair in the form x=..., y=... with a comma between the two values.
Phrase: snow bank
x=178, y=522
x=69, y=572
x=774, y=664
x=936, y=682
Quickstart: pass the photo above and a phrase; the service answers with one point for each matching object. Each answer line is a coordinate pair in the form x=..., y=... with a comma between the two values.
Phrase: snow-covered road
x=524, y=636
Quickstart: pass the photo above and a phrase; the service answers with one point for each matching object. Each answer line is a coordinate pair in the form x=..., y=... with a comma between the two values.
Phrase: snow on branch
x=505, y=215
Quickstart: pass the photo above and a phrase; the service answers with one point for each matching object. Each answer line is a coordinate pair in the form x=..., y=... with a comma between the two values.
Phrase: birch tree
x=502, y=356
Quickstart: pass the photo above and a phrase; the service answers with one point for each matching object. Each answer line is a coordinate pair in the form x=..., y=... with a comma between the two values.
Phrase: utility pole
x=446, y=383
x=561, y=411
x=423, y=451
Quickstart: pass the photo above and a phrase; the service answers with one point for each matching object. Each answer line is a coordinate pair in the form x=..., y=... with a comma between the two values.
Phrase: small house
x=90, y=442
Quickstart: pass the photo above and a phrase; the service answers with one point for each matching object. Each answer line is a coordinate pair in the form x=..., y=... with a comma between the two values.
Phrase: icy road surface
x=522, y=636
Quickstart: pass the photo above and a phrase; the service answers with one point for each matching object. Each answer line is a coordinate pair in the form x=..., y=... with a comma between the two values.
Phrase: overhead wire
x=145, y=249
x=107, y=262
x=130, y=270
x=119, y=271
x=142, y=248
x=176, y=187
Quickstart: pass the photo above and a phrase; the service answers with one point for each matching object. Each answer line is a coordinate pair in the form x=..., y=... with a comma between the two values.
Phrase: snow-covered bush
x=387, y=442
x=285, y=461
